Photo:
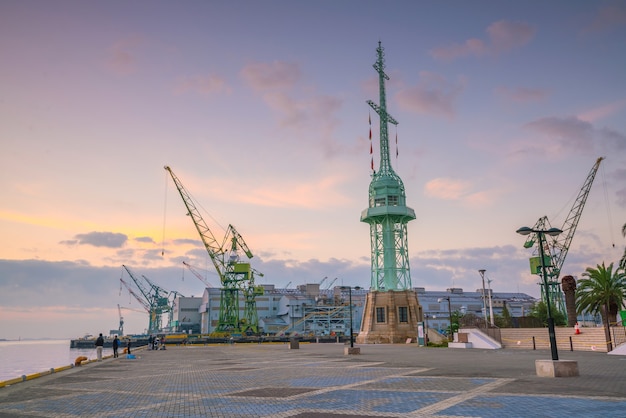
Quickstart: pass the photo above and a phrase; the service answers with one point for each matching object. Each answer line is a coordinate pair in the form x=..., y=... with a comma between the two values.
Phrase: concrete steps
x=589, y=339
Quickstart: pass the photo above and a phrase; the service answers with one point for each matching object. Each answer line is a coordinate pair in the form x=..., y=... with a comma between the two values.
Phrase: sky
x=260, y=109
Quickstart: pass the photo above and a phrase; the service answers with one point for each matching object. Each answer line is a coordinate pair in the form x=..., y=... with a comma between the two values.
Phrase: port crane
x=121, y=326
x=139, y=299
x=236, y=276
x=155, y=300
x=556, y=248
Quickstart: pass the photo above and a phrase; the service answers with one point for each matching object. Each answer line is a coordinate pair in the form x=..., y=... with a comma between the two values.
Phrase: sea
x=18, y=358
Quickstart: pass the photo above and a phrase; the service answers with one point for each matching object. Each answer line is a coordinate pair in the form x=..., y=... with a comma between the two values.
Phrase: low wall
x=589, y=339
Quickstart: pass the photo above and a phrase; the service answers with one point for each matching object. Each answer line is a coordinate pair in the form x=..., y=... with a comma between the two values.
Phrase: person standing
x=99, y=345
x=128, y=346
x=116, y=344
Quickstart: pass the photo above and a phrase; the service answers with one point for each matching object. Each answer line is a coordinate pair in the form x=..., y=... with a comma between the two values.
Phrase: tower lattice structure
x=387, y=213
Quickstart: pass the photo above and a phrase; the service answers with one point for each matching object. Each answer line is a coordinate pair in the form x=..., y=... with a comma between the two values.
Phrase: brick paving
x=318, y=380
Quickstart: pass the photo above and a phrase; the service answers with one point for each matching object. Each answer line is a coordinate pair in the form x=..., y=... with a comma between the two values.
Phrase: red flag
x=370, y=120
x=371, y=149
x=372, y=163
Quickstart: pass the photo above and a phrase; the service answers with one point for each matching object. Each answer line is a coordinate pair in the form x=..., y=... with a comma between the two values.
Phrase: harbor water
x=19, y=358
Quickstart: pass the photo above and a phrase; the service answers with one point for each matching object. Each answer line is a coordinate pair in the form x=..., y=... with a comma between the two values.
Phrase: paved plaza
x=318, y=380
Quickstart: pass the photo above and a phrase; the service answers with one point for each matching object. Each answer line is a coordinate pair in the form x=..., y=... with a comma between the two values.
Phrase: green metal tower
x=387, y=213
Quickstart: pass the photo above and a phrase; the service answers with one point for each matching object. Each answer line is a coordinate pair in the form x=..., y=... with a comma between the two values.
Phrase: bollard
x=534, y=346
x=571, y=345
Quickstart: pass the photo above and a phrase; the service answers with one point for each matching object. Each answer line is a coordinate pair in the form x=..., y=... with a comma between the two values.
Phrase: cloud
x=102, y=239
x=316, y=113
x=568, y=133
x=202, y=84
x=121, y=56
x=502, y=36
x=148, y=240
x=619, y=177
x=271, y=76
x=602, y=112
x=432, y=95
x=608, y=17
x=522, y=94
x=447, y=189
x=454, y=189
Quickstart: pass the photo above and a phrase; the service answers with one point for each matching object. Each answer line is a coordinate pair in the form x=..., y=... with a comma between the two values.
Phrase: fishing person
x=99, y=345
x=116, y=344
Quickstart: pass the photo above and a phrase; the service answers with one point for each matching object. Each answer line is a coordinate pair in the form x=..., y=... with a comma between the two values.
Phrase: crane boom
x=557, y=247
x=208, y=239
x=235, y=276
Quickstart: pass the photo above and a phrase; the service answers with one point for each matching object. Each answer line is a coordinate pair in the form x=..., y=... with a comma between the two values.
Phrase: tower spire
x=385, y=118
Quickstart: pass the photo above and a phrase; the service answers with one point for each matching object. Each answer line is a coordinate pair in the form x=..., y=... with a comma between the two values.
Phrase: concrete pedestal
x=294, y=344
x=556, y=368
x=351, y=350
x=459, y=345
x=387, y=328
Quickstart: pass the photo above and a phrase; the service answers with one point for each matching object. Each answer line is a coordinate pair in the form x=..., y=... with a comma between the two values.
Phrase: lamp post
x=540, y=233
x=493, y=324
x=449, y=314
x=349, y=289
x=482, y=275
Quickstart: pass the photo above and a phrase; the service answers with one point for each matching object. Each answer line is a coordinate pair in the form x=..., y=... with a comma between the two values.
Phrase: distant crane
x=155, y=299
x=235, y=276
x=556, y=249
x=198, y=275
x=332, y=282
x=139, y=299
x=288, y=284
x=323, y=280
x=121, y=327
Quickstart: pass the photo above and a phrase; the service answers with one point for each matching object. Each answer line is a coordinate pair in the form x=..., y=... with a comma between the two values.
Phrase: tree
x=602, y=291
x=568, y=284
x=540, y=311
x=506, y=317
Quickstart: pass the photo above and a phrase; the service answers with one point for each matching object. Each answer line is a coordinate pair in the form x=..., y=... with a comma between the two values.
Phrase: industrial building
x=309, y=310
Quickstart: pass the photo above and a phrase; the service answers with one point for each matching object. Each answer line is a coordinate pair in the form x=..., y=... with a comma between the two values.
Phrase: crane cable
x=164, y=218
x=608, y=206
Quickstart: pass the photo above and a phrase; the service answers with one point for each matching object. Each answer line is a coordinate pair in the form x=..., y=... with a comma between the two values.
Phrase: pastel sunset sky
x=259, y=107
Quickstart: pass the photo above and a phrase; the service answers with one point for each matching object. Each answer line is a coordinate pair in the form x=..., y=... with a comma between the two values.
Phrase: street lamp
x=482, y=275
x=449, y=314
x=540, y=233
x=349, y=288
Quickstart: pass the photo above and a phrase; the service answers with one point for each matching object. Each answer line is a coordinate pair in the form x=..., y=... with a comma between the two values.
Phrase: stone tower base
x=390, y=317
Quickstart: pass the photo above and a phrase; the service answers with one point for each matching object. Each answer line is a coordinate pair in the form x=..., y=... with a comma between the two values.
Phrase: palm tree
x=602, y=291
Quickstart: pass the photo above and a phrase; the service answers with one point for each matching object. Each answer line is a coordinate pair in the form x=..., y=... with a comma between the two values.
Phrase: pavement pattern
x=320, y=381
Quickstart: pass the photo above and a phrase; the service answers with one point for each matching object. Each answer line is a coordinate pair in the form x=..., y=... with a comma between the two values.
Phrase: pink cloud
x=522, y=94
x=204, y=85
x=446, y=188
x=502, y=36
x=432, y=95
x=121, y=56
x=608, y=17
x=458, y=190
x=602, y=112
x=269, y=76
x=568, y=133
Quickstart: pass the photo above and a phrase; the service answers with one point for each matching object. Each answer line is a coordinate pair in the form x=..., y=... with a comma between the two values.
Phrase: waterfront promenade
x=318, y=380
